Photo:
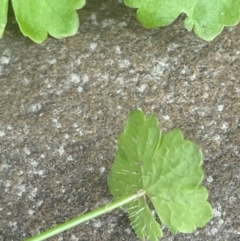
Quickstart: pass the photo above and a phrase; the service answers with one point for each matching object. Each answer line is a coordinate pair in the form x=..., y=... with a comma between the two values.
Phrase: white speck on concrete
x=102, y=170
x=60, y=238
x=85, y=78
x=2, y=134
x=108, y=62
x=216, y=137
x=21, y=189
x=128, y=230
x=32, y=194
x=93, y=46
x=217, y=212
x=237, y=89
x=66, y=136
x=214, y=231
x=70, y=158
x=172, y=46
x=93, y=16
x=74, y=238
x=80, y=132
x=4, y=167
x=33, y=162
x=211, y=123
x=142, y=87
x=90, y=168
x=5, y=60
x=118, y=49
x=35, y=108
x=108, y=22
x=111, y=226
x=75, y=78
x=192, y=77
x=39, y=172
x=232, y=200
x=78, y=61
x=30, y=212
x=42, y=156
x=169, y=98
x=80, y=89
x=122, y=24
x=27, y=150
x=94, y=19
x=61, y=150
x=39, y=203
x=9, y=127
x=220, y=222
x=123, y=63
x=220, y=108
x=57, y=123
x=75, y=125
x=224, y=126
x=52, y=61
x=183, y=71
x=97, y=224
x=166, y=117
x=210, y=179
x=120, y=80
x=8, y=183
x=158, y=70
x=13, y=225
x=196, y=233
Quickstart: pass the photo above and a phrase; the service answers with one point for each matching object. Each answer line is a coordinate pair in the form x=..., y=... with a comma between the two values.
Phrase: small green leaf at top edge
x=37, y=19
x=206, y=18
x=168, y=169
x=3, y=16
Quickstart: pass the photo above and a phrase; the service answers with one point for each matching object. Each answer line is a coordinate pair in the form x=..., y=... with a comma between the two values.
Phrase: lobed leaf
x=168, y=169
x=206, y=18
x=38, y=18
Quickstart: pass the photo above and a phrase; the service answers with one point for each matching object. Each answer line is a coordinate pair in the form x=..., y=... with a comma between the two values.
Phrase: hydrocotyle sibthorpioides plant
x=37, y=19
x=59, y=19
x=168, y=169
x=206, y=18
x=149, y=167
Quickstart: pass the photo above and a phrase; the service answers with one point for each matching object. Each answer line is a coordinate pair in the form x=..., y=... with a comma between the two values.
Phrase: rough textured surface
x=64, y=103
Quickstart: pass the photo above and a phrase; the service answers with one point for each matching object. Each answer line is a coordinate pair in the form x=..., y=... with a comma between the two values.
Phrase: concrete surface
x=64, y=103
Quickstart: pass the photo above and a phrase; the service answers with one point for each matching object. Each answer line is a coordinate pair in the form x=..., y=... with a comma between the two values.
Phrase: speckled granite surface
x=64, y=103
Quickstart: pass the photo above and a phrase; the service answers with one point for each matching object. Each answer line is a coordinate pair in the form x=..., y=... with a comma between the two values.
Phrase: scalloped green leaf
x=3, y=16
x=37, y=19
x=206, y=18
x=168, y=169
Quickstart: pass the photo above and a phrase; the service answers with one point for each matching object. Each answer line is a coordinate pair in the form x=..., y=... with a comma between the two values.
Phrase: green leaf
x=3, y=16
x=206, y=18
x=168, y=169
x=38, y=18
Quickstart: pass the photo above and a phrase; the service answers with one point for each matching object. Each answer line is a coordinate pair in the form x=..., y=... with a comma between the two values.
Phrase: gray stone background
x=63, y=104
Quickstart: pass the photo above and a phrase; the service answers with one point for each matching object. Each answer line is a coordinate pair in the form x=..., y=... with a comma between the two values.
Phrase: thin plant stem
x=85, y=217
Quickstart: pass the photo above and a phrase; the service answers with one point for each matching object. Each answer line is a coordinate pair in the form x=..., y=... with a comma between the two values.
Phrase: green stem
x=85, y=217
